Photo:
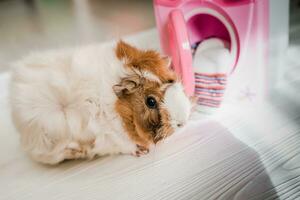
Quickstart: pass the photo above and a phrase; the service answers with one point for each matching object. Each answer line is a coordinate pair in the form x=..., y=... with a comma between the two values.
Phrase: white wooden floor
x=245, y=151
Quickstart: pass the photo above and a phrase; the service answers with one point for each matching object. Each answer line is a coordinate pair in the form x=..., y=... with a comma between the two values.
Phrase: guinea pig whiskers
x=159, y=135
x=164, y=136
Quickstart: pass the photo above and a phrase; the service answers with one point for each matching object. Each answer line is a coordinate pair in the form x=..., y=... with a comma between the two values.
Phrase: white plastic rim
x=226, y=23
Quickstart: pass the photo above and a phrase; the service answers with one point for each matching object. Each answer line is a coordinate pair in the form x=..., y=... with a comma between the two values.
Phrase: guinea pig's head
x=151, y=100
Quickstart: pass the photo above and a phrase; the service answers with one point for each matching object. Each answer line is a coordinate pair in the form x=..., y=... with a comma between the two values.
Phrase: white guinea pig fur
x=95, y=100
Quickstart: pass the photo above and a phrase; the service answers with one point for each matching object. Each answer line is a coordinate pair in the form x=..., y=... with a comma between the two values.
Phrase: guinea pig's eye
x=170, y=81
x=151, y=102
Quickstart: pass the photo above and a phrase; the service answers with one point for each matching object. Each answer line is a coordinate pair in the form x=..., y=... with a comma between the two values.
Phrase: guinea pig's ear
x=167, y=60
x=126, y=52
x=127, y=85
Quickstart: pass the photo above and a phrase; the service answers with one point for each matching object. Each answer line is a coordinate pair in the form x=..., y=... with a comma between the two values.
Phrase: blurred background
x=27, y=25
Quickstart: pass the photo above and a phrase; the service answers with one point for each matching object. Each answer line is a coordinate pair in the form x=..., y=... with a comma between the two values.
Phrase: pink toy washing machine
x=242, y=24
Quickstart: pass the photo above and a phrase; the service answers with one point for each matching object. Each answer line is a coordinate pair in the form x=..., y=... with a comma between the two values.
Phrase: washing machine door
x=181, y=50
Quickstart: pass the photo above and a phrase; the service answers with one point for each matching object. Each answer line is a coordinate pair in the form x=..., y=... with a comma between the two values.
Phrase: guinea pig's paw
x=141, y=150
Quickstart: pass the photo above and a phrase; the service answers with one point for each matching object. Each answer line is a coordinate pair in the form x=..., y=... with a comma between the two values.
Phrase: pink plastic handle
x=181, y=50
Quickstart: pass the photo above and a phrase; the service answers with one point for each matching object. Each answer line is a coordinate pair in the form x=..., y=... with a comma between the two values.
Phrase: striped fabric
x=210, y=88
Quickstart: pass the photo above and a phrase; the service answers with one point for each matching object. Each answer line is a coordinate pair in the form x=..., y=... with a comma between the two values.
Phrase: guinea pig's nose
x=179, y=125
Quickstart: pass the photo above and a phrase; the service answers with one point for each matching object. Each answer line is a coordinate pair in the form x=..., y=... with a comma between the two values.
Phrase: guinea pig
x=95, y=100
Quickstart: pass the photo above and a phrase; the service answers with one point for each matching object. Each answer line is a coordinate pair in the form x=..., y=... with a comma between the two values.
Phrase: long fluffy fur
x=66, y=97
x=65, y=105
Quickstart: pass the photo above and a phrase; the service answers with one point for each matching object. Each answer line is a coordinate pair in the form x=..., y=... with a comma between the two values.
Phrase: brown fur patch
x=144, y=125
x=147, y=60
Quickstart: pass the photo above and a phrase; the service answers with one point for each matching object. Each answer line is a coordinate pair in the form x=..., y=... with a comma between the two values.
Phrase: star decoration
x=247, y=93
